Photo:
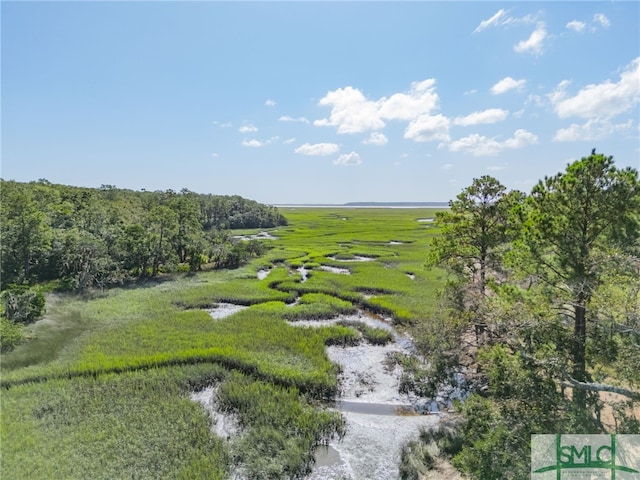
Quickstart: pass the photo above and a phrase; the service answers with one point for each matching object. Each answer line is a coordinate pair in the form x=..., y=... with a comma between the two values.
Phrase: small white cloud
x=447, y=166
x=222, y=125
x=348, y=159
x=507, y=84
x=317, y=149
x=287, y=118
x=247, y=129
x=602, y=100
x=427, y=128
x=576, y=25
x=376, y=138
x=253, y=143
x=534, y=44
x=497, y=19
x=491, y=115
x=601, y=19
x=289, y=141
x=593, y=129
x=215, y=155
x=270, y=103
x=471, y=92
x=480, y=146
x=500, y=18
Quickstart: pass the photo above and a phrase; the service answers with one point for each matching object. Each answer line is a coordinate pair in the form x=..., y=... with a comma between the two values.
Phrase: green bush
x=22, y=304
x=10, y=334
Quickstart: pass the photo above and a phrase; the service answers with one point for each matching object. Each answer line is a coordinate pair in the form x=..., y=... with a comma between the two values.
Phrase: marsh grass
x=132, y=425
x=373, y=335
x=74, y=388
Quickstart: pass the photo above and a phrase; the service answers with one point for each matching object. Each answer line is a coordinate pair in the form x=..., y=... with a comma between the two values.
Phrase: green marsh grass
x=93, y=361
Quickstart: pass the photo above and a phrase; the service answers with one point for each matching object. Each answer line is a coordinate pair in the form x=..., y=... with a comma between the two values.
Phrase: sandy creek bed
x=379, y=418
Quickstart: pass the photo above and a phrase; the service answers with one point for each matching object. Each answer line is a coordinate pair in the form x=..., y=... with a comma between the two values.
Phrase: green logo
x=557, y=457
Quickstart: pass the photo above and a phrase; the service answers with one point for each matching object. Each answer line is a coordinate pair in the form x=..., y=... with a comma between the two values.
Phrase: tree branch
x=600, y=387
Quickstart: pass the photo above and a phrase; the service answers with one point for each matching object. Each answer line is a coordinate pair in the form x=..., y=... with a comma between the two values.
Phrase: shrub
x=10, y=335
x=22, y=304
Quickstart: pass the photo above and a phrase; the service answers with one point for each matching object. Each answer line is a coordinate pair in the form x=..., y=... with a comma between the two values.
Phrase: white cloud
x=352, y=112
x=253, y=143
x=576, y=25
x=500, y=18
x=447, y=166
x=605, y=100
x=593, y=129
x=215, y=155
x=289, y=141
x=222, y=125
x=534, y=43
x=420, y=99
x=270, y=103
x=471, y=92
x=491, y=115
x=479, y=145
x=428, y=128
x=507, y=84
x=287, y=118
x=247, y=129
x=317, y=149
x=497, y=19
x=602, y=20
x=376, y=138
x=348, y=159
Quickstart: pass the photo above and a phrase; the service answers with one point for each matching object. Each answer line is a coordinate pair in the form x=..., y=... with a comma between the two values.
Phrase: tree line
x=95, y=237
x=541, y=312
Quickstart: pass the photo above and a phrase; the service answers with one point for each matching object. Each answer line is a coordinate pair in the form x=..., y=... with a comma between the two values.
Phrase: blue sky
x=312, y=102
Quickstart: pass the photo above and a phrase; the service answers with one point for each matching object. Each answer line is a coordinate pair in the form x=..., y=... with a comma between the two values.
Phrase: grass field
x=101, y=389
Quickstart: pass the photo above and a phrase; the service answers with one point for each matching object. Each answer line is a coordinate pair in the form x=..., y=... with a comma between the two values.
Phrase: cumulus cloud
x=602, y=20
x=287, y=118
x=247, y=129
x=507, y=84
x=420, y=99
x=491, y=115
x=480, y=146
x=317, y=149
x=427, y=128
x=352, y=112
x=605, y=100
x=253, y=143
x=289, y=141
x=576, y=25
x=534, y=43
x=348, y=159
x=593, y=129
x=270, y=103
x=376, y=138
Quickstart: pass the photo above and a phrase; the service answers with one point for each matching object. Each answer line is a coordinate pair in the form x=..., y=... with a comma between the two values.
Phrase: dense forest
x=541, y=313
x=96, y=237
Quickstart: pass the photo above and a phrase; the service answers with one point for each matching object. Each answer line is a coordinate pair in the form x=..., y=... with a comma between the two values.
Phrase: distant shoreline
x=366, y=205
